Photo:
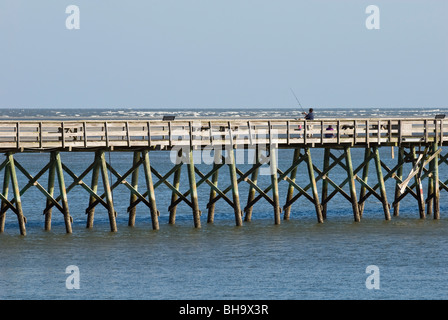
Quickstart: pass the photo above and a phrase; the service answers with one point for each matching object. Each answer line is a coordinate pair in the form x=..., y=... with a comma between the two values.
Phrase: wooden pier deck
x=72, y=135
x=419, y=141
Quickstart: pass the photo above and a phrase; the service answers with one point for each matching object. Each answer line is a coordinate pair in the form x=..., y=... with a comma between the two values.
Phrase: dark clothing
x=309, y=116
x=329, y=135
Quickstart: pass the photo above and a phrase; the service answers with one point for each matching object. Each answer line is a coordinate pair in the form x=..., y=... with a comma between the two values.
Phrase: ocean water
x=298, y=259
x=236, y=113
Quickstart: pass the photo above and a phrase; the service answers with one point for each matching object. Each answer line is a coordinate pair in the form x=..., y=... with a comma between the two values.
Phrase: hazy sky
x=223, y=54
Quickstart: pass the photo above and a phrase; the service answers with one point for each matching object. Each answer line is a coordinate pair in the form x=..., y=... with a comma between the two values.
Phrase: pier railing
x=200, y=133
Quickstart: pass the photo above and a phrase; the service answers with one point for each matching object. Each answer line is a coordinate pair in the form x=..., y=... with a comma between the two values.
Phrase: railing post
x=367, y=134
x=379, y=132
x=63, y=135
x=18, y=135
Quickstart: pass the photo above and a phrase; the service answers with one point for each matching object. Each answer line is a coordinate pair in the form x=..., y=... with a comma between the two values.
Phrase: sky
x=223, y=54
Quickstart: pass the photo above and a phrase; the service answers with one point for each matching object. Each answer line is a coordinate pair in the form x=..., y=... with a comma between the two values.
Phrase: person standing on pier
x=309, y=115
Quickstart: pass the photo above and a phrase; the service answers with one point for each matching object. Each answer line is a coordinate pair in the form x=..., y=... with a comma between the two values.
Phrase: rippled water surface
x=296, y=260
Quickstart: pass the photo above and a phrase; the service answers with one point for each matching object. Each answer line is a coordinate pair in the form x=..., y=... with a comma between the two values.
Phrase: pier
x=418, y=141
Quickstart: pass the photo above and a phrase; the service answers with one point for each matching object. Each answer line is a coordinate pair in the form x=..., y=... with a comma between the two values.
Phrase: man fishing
x=309, y=115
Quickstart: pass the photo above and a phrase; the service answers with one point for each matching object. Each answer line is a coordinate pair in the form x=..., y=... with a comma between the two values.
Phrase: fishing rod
x=297, y=100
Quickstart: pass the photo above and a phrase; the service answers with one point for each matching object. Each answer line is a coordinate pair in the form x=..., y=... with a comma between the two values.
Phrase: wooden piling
x=51, y=178
x=94, y=186
x=365, y=177
x=151, y=193
x=235, y=189
x=351, y=182
x=400, y=178
x=16, y=190
x=430, y=187
x=382, y=186
x=325, y=182
x=296, y=156
x=216, y=165
x=63, y=192
x=317, y=205
x=193, y=189
x=134, y=183
x=6, y=178
x=252, y=190
x=176, y=183
x=419, y=188
x=108, y=192
x=274, y=183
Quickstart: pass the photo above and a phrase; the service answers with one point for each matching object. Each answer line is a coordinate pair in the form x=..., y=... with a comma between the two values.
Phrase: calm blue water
x=298, y=259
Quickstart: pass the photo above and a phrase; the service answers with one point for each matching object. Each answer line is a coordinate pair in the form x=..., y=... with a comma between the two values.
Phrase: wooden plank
x=367, y=133
x=148, y=124
x=106, y=133
x=63, y=135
